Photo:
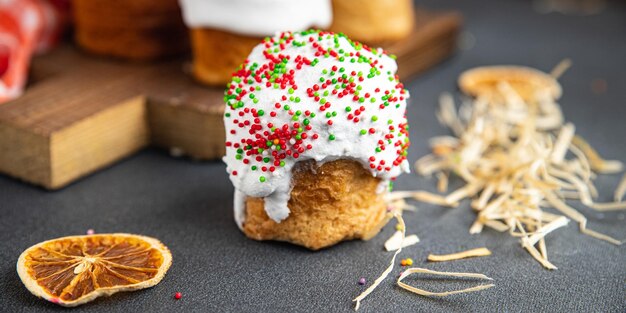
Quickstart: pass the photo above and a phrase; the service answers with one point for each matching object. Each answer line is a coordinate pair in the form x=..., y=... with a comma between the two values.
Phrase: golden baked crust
x=330, y=203
x=114, y=8
x=137, y=30
x=373, y=21
x=217, y=54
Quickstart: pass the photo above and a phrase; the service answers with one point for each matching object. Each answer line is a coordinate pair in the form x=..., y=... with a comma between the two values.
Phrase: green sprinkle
x=363, y=131
x=266, y=160
x=238, y=157
x=262, y=179
x=227, y=114
x=306, y=121
x=374, y=118
x=260, y=112
x=253, y=167
x=331, y=137
x=348, y=109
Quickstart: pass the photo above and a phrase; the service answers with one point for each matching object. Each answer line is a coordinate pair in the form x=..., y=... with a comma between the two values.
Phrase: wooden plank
x=433, y=39
x=24, y=155
x=98, y=141
x=186, y=131
x=184, y=116
x=82, y=113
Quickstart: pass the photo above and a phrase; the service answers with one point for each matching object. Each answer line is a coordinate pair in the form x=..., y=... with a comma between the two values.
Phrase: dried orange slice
x=483, y=81
x=74, y=270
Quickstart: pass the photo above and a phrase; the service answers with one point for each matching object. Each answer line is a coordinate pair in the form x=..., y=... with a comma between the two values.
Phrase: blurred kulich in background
x=220, y=44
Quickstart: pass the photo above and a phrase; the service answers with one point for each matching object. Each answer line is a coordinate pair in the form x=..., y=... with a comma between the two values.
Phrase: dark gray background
x=188, y=204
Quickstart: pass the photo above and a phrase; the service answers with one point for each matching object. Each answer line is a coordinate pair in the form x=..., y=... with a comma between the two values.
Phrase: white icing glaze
x=257, y=17
x=349, y=141
x=239, y=203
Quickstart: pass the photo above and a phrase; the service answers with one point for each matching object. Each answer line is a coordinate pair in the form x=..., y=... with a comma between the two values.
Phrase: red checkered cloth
x=26, y=27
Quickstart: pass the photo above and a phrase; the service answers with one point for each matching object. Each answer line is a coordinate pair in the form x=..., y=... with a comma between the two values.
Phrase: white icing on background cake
x=257, y=17
x=249, y=95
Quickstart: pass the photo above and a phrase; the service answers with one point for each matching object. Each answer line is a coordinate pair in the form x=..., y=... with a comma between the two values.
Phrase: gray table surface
x=188, y=204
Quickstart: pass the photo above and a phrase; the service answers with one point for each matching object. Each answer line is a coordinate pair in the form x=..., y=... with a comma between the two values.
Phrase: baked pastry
x=315, y=131
x=373, y=21
x=224, y=32
x=136, y=30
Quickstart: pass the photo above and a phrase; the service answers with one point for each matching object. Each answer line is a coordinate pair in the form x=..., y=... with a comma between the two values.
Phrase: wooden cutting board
x=82, y=113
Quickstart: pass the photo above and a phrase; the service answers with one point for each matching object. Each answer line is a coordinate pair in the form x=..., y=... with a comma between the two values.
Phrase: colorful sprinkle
x=362, y=281
x=287, y=128
x=178, y=295
x=406, y=262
